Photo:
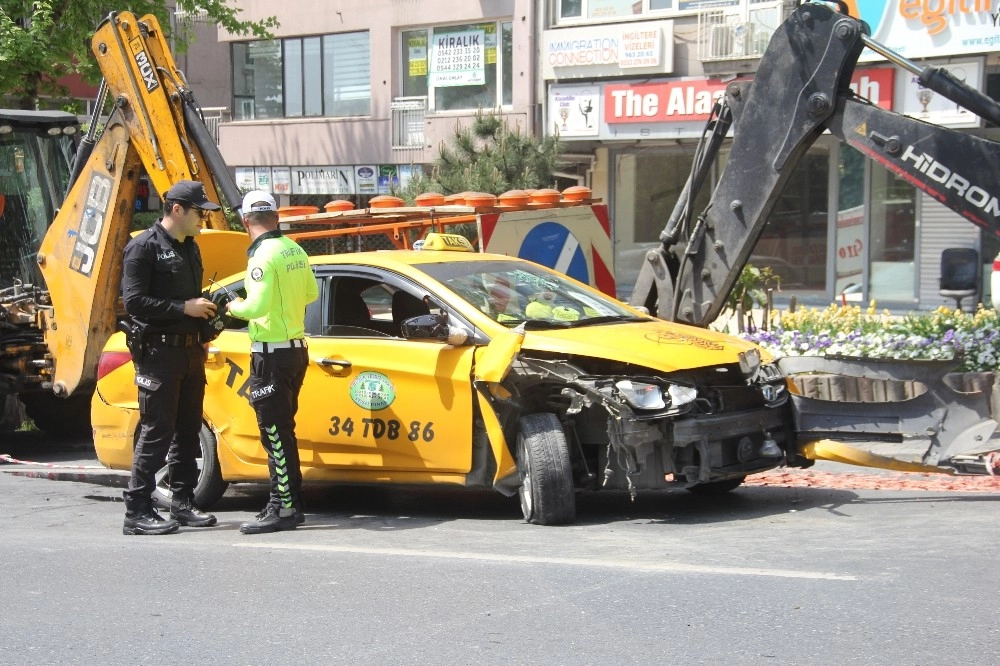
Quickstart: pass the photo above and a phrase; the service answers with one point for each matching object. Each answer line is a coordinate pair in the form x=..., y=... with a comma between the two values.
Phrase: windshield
x=511, y=292
x=34, y=175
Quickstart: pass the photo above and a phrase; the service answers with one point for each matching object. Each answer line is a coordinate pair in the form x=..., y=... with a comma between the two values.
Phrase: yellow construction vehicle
x=59, y=296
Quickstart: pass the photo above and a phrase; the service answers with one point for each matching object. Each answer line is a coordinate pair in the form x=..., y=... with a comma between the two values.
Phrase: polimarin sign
x=925, y=28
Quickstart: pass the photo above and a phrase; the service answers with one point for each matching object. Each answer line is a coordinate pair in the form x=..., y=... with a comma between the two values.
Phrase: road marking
x=674, y=567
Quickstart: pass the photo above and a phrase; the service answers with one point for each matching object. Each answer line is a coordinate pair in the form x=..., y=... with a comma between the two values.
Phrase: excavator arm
x=801, y=89
x=156, y=126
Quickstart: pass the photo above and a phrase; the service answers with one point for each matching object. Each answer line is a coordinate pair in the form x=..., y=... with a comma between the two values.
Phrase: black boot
x=300, y=515
x=141, y=518
x=183, y=510
x=271, y=520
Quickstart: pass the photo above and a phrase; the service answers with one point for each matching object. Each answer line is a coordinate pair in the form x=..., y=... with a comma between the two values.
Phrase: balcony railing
x=728, y=31
x=213, y=116
x=408, y=122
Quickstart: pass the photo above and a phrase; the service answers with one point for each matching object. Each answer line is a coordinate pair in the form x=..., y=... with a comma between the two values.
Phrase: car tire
x=210, y=487
x=59, y=417
x=717, y=487
x=543, y=464
x=11, y=413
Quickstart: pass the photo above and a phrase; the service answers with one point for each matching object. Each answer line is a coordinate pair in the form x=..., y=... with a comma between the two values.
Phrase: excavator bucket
x=902, y=415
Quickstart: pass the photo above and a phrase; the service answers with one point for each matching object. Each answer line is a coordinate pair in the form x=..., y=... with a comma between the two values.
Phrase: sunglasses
x=202, y=213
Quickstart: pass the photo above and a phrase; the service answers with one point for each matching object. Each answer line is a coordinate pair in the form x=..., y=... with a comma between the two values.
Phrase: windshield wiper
x=546, y=323
x=606, y=319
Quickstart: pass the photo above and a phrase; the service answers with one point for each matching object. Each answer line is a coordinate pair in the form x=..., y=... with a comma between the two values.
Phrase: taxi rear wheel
x=59, y=417
x=210, y=487
x=543, y=464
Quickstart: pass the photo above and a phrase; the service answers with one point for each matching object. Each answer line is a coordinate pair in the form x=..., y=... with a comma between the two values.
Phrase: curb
x=96, y=474
x=108, y=478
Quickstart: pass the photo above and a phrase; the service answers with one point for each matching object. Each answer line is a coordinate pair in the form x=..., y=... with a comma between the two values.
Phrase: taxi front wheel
x=717, y=487
x=543, y=465
x=210, y=487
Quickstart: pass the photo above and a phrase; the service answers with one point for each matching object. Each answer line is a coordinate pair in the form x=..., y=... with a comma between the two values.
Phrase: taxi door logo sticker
x=373, y=391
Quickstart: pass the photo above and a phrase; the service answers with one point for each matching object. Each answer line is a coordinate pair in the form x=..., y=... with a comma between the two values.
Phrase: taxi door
x=373, y=400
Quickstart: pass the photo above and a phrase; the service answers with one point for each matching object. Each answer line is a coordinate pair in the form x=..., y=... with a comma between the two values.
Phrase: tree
x=42, y=41
x=490, y=155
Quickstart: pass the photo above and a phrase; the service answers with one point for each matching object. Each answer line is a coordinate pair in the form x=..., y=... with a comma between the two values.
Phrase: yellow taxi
x=442, y=365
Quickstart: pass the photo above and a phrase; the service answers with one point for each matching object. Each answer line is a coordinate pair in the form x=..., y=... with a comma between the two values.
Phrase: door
x=373, y=400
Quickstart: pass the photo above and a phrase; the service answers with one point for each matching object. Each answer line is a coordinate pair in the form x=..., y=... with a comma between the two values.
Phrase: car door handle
x=343, y=365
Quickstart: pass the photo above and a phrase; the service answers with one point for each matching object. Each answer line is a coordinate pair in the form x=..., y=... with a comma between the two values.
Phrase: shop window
x=647, y=185
x=891, y=237
x=793, y=243
x=459, y=67
x=877, y=239
x=849, y=255
x=327, y=75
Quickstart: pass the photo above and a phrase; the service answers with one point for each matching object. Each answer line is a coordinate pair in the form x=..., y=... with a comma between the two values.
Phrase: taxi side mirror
x=433, y=327
x=425, y=327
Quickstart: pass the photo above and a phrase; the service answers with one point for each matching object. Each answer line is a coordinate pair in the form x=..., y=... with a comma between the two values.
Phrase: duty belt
x=268, y=347
x=172, y=339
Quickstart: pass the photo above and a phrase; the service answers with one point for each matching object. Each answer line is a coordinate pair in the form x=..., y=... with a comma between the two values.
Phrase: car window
x=368, y=307
x=313, y=319
x=512, y=292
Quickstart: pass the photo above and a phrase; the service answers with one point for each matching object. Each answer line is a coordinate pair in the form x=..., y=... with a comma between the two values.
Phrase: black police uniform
x=160, y=273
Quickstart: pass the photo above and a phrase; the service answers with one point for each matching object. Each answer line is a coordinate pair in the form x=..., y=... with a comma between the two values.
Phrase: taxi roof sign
x=446, y=242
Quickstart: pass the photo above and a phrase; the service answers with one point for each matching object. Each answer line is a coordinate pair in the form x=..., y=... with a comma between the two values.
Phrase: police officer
x=162, y=293
x=279, y=285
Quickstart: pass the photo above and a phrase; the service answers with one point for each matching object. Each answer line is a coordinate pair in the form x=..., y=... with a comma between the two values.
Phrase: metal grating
x=408, y=122
x=728, y=31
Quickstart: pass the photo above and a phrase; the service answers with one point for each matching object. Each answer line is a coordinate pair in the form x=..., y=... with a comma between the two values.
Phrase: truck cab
x=36, y=154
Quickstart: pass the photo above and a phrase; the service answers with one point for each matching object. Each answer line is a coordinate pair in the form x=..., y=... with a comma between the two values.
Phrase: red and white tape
x=7, y=459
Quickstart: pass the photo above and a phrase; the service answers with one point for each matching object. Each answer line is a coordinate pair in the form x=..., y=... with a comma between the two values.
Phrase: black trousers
x=171, y=384
x=275, y=381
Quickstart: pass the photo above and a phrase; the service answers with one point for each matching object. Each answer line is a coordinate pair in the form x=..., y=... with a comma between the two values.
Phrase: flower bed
x=850, y=331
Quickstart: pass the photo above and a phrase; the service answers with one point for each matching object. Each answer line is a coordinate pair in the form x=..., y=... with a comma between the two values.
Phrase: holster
x=133, y=339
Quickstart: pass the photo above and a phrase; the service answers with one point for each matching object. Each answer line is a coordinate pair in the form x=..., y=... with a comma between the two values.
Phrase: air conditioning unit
x=731, y=41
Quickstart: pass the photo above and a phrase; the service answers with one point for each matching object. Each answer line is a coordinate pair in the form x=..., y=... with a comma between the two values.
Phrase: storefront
x=317, y=185
x=845, y=229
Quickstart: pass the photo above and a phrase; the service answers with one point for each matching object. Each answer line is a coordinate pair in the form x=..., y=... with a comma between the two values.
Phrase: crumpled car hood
x=660, y=345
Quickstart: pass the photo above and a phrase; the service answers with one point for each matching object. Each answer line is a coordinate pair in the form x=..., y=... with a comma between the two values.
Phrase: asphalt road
x=766, y=575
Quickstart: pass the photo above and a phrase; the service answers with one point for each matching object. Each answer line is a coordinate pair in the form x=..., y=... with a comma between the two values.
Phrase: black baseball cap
x=192, y=193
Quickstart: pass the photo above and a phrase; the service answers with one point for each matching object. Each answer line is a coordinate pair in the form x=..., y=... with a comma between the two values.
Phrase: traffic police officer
x=161, y=288
x=279, y=285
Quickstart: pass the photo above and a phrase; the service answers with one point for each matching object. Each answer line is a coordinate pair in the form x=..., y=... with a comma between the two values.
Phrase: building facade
x=349, y=100
x=632, y=84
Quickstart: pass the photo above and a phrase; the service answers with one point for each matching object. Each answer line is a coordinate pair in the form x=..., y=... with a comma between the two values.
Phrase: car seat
x=404, y=306
x=349, y=308
x=960, y=274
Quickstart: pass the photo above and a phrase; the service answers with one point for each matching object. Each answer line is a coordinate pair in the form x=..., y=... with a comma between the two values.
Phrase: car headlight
x=681, y=395
x=749, y=362
x=641, y=395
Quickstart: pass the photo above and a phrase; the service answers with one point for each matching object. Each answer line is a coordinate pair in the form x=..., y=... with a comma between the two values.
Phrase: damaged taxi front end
x=588, y=393
x=647, y=416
